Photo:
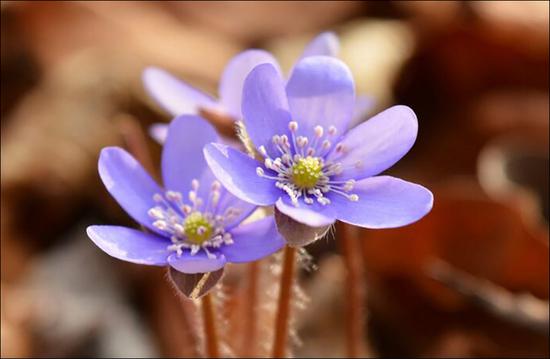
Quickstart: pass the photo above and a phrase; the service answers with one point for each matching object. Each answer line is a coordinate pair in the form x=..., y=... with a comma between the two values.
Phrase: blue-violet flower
x=194, y=223
x=178, y=98
x=314, y=169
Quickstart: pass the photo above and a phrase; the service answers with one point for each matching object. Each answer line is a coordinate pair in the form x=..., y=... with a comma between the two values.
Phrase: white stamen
x=160, y=224
x=293, y=150
x=156, y=213
x=216, y=186
x=318, y=131
x=301, y=141
x=195, y=184
x=173, y=196
x=171, y=213
x=186, y=209
x=293, y=126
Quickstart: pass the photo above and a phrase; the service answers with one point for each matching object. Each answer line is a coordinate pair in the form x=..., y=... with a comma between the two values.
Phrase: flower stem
x=249, y=338
x=283, y=306
x=355, y=293
x=211, y=336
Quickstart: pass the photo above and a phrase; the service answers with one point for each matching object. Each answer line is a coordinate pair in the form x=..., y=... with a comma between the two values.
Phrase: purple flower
x=314, y=169
x=194, y=224
x=178, y=98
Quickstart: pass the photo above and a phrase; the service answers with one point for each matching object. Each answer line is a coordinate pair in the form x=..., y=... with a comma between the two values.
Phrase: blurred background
x=470, y=279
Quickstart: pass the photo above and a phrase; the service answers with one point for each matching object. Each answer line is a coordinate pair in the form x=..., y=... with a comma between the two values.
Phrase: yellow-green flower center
x=306, y=172
x=197, y=228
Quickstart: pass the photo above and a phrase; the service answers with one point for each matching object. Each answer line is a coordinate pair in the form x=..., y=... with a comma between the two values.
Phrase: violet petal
x=130, y=185
x=253, y=241
x=265, y=106
x=182, y=156
x=321, y=92
x=313, y=215
x=324, y=44
x=237, y=173
x=384, y=202
x=377, y=144
x=197, y=263
x=130, y=245
x=174, y=95
x=234, y=75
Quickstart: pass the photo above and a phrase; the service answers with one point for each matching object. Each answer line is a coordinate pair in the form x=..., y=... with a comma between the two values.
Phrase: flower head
x=194, y=223
x=178, y=98
x=314, y=168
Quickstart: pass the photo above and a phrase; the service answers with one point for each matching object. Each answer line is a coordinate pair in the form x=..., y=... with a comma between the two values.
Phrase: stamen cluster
x=196, y=225
x=302, y=169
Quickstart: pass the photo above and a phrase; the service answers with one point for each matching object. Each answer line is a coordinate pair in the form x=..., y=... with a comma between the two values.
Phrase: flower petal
x=265, y=106
x=159, y=132
x=237, y=173
x=130, y=245
x=324, y=44
x=384, y=202
x=378, y=143
x=182, y=156
x=321, y=92
x=232, y=81
x=172, y=94
x=228, y=200
x=253, y=241
x=363, y=105
x=314, y=215
x=197, y=263
x=129, y=184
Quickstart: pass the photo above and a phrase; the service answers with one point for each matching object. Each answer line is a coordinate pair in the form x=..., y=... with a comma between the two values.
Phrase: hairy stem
x=211, y=336
x=355, y=291
x=283, y=306
x=250, y=330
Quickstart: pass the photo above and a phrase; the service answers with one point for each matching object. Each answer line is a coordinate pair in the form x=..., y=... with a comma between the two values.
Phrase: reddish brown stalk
x=250, y=330
x=136, y=142
x=355, y=290
x=224, y=123
x=211, y=336
x=283, y=306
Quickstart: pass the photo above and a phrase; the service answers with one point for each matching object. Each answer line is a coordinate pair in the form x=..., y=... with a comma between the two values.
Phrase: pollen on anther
x=195, y=184
x=216, y=186
x=318, y=131
x=293, y=126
